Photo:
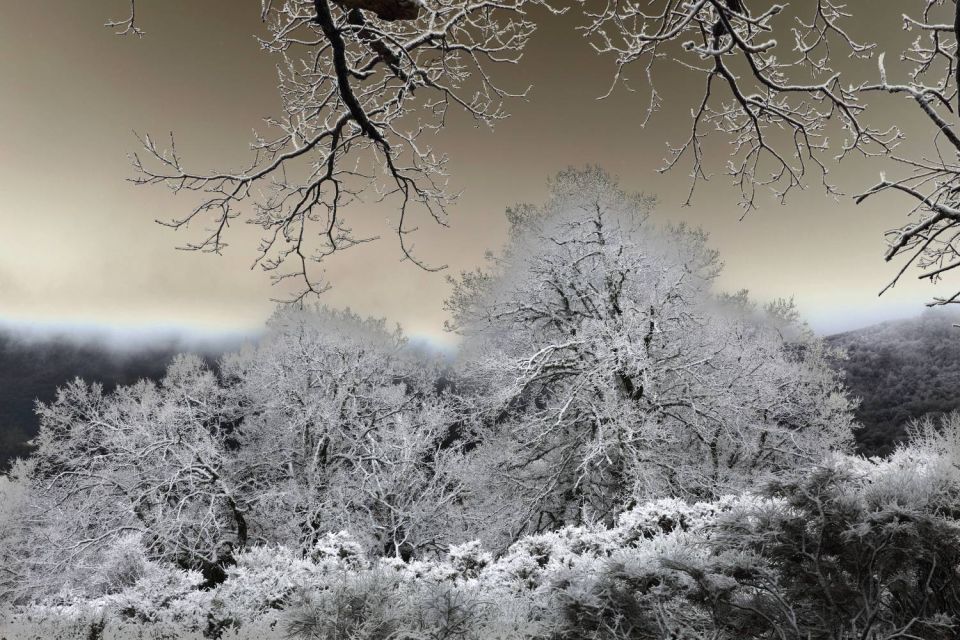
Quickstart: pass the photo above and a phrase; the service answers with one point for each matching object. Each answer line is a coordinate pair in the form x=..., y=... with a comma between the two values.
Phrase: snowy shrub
x=651, y=519
x=655, y=518
x=260, y=583
x=339, y=550
x=361, y=605
x=469, y=559
x=524, y=565
x=428, y=572
x=628, y=597
x=840, y=540
x=264, y=577
x=384, y=602
x=456, y=612
x=154, y=595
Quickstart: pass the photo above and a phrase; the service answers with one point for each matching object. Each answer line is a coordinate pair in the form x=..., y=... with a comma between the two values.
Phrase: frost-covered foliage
x=149, y=459
x=611, y=372
x=850, y=549
x=847, y=548
x=337, y=591
x=329, y=424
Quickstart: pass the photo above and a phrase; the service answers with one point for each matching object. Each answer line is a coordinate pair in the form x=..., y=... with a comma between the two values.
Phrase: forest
x=618, y=451
x=881, y=368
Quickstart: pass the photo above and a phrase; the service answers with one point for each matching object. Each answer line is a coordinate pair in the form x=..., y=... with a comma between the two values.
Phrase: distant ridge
x=901, y=370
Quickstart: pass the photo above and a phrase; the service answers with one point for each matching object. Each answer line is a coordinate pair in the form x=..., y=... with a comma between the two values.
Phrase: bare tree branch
x=361, y=82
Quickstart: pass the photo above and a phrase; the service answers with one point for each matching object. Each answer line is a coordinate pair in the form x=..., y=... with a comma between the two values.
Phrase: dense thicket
x=844, y=549
x=329, y=424
x=899, y=370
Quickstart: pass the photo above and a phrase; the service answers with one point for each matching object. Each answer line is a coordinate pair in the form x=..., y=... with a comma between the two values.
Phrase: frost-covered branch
x=773, y=108
x=779, y=80
x=362, y=82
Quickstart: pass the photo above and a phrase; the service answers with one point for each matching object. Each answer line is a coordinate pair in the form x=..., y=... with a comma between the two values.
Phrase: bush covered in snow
x=851, y=546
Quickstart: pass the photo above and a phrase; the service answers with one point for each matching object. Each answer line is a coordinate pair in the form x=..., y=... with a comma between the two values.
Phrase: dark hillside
x=901, y=370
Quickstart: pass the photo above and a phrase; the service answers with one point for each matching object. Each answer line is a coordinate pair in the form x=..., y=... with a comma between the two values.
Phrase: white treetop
x=344, y=429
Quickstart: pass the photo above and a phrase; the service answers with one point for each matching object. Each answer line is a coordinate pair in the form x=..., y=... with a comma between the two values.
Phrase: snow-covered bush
x=650, y=519
x=339, y=551
x=469, y=559
x=363, y=604
x=261, y=583
x=157, y=595
x=881, y=535
x=871, y=547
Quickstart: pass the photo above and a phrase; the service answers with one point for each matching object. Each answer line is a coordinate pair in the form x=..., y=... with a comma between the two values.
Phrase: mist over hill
x=901, y=370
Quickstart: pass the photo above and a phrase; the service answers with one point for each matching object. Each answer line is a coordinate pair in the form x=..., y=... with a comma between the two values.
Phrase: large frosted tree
x=614, y=373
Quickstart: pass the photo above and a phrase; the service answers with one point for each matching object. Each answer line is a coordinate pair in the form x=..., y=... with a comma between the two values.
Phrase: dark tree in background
x=900, y=371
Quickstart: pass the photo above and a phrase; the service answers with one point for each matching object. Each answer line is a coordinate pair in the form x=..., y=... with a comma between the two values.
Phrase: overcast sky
x=78, y=245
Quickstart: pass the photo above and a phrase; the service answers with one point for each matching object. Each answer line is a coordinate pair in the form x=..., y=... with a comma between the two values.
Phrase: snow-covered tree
x=613, y=373
x=148, y=459
x=344, y=428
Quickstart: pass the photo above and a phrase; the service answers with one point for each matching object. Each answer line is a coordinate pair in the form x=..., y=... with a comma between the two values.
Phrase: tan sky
x=78, y=244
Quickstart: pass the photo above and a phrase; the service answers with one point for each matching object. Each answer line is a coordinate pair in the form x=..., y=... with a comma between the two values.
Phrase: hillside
x=901, y=370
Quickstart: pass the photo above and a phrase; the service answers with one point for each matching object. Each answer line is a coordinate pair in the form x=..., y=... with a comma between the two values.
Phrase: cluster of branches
x=327, y=425
x=363, y=80
x=777, y=108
